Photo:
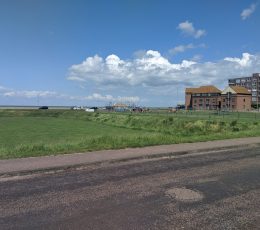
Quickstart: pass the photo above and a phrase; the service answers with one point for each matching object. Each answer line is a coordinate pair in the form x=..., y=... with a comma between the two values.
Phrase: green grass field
x=25, y=133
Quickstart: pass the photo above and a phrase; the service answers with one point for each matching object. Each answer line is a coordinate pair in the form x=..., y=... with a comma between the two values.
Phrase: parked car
x=180, y=107
x=76, y=108
x=137, y=109
x=90, y=110
x=44, y=107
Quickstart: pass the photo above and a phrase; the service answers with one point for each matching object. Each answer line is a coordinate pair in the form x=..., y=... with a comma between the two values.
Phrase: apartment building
x=252, y=83
x=232, y=98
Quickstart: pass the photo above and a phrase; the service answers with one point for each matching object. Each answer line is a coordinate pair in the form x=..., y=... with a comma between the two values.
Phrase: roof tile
x=203, y=89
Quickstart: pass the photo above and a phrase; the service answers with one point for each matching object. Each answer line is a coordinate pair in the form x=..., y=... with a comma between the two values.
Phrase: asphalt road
x=214, y=190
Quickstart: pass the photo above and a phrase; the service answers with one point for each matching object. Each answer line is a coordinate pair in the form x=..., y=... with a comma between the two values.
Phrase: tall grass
x=26, y=133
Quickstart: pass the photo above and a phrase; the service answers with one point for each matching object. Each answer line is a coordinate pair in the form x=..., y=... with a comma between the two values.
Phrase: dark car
x=43, y=107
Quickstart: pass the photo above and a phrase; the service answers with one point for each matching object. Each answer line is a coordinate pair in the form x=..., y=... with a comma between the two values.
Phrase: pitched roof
x=120, y=105
x=240, y=89
x=203, y=89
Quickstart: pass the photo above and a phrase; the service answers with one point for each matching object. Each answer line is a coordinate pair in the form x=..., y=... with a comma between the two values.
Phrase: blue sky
x=93, y=52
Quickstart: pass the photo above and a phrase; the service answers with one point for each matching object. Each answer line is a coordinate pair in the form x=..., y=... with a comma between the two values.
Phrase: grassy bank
x=26, y=133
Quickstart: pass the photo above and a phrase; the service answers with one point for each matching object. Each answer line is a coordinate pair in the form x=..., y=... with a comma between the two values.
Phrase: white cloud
x=5, y=92
x=187, y=28
x=248, y=11
x=148, y=69
x=29, y=94
x=153, y=70
x=107, y=98
x=3, y=89
x=196, y=57
x=183, y=48
x=245, y=61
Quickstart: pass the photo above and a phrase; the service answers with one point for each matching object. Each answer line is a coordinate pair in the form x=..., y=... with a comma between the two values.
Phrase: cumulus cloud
x=153, y=70
x=150, y=69
x=245, y=61
x=248, y=11
x=187, y=28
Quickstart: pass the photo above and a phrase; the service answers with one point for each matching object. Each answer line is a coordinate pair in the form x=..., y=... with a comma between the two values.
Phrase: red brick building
x=236, y=98
x=202, y=98
x=233, y=98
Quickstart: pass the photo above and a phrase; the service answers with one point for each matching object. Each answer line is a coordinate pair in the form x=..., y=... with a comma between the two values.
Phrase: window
x=224, y=100
x=244, y=100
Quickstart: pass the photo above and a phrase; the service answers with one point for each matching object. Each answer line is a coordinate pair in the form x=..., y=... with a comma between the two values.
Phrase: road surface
x=205, y=190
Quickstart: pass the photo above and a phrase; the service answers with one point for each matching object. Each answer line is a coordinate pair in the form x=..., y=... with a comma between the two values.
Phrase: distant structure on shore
x=232, y=98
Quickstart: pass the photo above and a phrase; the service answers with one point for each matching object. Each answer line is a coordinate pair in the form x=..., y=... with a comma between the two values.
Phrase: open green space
x=25, y=133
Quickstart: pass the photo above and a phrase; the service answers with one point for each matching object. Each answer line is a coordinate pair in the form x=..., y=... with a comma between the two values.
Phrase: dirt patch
x=184, y=194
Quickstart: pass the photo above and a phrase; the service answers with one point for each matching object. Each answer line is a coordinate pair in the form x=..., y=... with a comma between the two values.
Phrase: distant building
x=120, y=107
x=252, y=83
x=202, y=98
x=234, y=98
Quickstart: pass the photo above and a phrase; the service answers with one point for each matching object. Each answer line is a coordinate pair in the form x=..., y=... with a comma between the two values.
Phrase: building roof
x=236, y=90
x=240, y=89
x=203, y=89
x=119, y=105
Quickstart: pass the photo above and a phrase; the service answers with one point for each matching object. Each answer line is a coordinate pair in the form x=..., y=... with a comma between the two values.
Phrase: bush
x=235, y=129
x=233, y=123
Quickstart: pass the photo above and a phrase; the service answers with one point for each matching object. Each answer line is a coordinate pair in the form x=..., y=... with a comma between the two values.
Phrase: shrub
x=235, y=129
x=233, y=123
x=171, y=119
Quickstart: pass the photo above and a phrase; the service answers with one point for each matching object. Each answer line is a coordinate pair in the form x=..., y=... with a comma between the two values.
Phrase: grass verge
x=25, y=133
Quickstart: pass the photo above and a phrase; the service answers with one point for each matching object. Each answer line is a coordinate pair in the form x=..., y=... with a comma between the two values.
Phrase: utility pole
x=38, y=100
x=257, y=106
x=257, y=94
x=228, y=101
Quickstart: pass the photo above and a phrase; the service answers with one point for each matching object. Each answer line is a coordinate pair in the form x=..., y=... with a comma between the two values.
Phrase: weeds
x=26, y=133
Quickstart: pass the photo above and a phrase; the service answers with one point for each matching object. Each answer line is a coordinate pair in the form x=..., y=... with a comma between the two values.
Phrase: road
x=204, y=190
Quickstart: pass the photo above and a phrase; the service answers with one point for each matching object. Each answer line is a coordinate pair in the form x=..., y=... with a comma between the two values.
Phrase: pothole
x=184, y=194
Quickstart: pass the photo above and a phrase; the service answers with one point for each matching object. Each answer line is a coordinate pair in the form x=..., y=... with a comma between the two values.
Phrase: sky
x=146, y=52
